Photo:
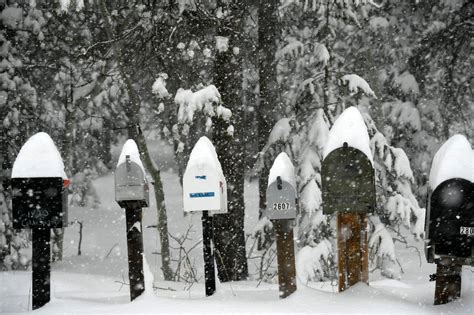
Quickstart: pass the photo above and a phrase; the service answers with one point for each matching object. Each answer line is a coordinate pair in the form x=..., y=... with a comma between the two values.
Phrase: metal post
x=207, y=236
x=41, y=265
x=286, y=257
x=448, y=282
x=135, y=251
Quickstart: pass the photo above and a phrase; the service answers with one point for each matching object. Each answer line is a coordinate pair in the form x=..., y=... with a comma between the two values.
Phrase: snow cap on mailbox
x=204, y=184
x=131, y=186
x=454, y=159
x=281, y=190
x=349, y=127
x=39, y=157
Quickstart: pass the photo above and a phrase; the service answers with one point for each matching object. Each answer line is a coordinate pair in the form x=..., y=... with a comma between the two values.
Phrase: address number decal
x=467, y=230
x=281, y=206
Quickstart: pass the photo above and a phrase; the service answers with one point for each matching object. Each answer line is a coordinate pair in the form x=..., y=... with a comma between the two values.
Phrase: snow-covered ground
x=92, y=282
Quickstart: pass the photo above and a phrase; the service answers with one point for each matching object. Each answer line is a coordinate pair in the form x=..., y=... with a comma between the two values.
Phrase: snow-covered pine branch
x=357, y=84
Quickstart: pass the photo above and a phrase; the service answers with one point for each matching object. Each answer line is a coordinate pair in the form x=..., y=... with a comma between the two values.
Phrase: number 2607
x=281, y=206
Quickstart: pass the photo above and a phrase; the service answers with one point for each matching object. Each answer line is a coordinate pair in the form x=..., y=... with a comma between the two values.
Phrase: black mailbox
x=39, y=202
x=450, y=221
x=348, y=181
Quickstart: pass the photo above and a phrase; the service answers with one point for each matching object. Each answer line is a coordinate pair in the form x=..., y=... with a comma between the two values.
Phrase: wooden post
x=286, y=257
x=135, y=251
x=41, y=265
x=448, y=281
x=352, y=249
x=207, y=237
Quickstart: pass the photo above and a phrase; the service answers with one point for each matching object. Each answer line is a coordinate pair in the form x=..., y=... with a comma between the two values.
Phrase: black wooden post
x=41, y=265
x=207, y=236
x=135, y=251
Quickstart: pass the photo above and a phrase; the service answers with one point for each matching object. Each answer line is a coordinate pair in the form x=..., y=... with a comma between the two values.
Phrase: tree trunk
x=134, y=132
x=229, y=236
x=268, y=32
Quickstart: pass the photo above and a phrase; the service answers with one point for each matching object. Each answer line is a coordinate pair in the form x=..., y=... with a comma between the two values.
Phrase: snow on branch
x=159, y=86
x=203, y=100
x=308, y=261
x=356, y=84
x=292, y=49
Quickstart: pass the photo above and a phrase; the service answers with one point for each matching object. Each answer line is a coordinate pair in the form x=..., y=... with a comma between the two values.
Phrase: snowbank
x=130, y=148
x=350, y=128
x=282, y=167
x=453, y=160
x=38, y=157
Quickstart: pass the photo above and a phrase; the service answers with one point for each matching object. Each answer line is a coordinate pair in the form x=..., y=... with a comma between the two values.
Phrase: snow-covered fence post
x=348, y=189
x=205, y=189
x=281, y=210
x=450, y=216
x=39, y=202
x=131, y=193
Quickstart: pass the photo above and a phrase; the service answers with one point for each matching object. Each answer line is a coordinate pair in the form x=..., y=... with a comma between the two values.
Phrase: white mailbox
x=131, y=185
x=204, y=184
x=281, y=191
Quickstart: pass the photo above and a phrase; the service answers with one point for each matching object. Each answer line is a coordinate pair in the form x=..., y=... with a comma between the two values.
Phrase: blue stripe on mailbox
x=201, y=194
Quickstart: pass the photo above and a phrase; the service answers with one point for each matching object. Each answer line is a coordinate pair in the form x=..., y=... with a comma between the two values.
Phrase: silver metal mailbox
x=131, y=186
x=281, y=200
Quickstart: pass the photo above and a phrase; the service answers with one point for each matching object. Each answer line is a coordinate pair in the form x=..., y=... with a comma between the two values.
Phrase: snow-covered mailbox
x=39, y=185
x=348, y=190
x=281, y=209
x=205, y=190
x=281, y=191
x=131, y=186
x=450, y=215
x=204, y=184
x=347, y=172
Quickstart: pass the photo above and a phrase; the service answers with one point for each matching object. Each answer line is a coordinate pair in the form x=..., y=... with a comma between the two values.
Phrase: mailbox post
x=281, y=210
x=348, y=190
x=205, y=190
x=39, y=189
x=449, y=227
x=131, y=193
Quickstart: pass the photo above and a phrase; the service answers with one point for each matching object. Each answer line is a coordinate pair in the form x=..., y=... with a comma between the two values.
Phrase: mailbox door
x=348, y=182
x=202, y=190
x=131, y=184
x=450, y=224
x=37, y=202
x=281, y=203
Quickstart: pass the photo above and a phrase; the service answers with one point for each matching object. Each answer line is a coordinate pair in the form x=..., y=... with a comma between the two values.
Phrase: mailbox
x=204, y=189
x=131, y=186
x=281, y=200
x=450, y=221
x=204, y=184
x=39, y=202
x=348, y=181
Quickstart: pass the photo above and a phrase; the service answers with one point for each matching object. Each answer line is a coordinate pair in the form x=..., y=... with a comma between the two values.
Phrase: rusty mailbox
x=131, y=185
x=348, y=181
x=450, y=221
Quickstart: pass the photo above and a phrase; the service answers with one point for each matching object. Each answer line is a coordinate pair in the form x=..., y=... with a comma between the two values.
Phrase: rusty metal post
x=352, y=249
x=448, y=281
x=285, y=257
